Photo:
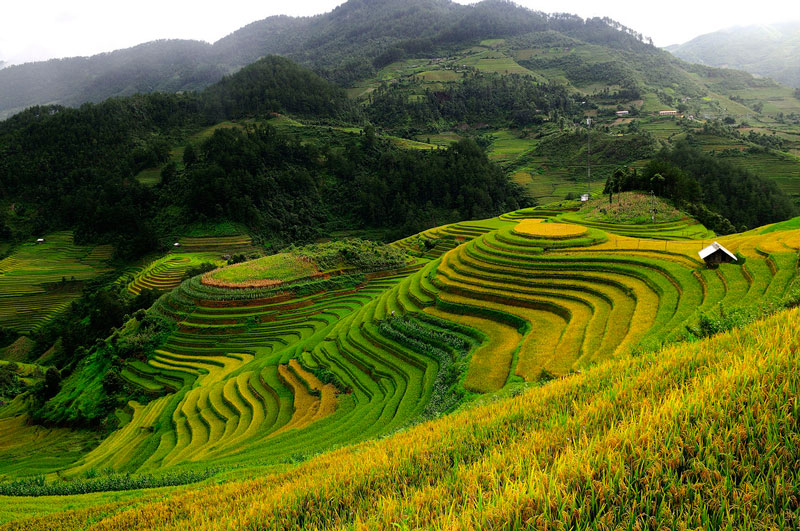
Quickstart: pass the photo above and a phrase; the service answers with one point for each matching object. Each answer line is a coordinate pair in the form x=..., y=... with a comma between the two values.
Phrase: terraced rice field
x=251, y=376
x=167, y=272
x=525, y=297
x=37, y=281
x=240, y=243
x=231, y=378
x=623, y=445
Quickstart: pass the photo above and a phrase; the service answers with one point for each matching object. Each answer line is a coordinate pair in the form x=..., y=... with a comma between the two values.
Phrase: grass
x=495, y=61
x=283, y=267
x=507, y=146
x=630, y=207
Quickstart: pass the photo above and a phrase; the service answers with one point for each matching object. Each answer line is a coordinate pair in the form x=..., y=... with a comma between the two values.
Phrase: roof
x=713, y=248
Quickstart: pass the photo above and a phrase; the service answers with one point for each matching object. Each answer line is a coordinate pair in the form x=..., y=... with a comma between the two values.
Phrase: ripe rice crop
x=535, y=228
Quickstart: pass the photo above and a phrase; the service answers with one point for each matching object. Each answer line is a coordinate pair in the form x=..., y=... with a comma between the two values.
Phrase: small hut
x=176, y=245
x=39, y=240
x=716, y=254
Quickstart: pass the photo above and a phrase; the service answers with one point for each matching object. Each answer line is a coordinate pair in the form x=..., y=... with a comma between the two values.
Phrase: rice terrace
x=471, y=267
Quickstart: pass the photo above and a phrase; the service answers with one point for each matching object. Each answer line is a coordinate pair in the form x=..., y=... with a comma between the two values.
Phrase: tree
x=189, y=155
x=169, y=172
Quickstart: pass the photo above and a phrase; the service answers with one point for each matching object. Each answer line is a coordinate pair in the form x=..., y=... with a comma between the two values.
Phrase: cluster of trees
x=282, y=188
x=722, y=196
x=74, y=168
x=580, y=71
x=275, y=84
x=726, y=128
x=88, y=389
x=480, y=98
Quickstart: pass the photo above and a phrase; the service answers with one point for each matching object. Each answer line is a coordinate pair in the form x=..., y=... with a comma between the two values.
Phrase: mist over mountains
x=344, y=45
x=766, y=50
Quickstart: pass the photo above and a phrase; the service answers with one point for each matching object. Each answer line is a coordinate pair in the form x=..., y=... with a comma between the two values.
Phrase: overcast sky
x=42, y=29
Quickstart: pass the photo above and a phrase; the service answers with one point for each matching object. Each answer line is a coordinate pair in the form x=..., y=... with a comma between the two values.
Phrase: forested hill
x=347, y=44
x=770, y=51
x=63, y=168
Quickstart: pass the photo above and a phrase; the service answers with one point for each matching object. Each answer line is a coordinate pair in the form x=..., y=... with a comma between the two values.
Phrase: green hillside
x=266, y=376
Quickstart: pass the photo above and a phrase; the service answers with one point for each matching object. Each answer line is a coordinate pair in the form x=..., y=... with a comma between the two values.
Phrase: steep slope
x=767, y=50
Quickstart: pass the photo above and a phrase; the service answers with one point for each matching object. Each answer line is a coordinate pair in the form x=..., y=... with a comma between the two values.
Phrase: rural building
x=622, y=113
x=584, y=197
x=667, y=113
x=39, y=240
x=176, y=244
x=717, y=254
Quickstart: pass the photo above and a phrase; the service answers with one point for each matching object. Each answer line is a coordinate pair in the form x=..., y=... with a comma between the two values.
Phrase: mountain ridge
x=342, y=45
x=769, y=50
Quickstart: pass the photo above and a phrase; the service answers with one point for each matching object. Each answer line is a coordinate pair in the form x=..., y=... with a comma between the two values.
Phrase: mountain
x=766, y=50
x=345, y=45
x=167, y=65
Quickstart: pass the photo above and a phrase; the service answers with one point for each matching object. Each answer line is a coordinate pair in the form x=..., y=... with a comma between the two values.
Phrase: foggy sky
x=43, y=29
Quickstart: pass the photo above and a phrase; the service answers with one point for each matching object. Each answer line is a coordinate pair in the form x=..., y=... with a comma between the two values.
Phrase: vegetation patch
x=262, y=272
x=307, y=262
x=39, y=486
x=630, y=208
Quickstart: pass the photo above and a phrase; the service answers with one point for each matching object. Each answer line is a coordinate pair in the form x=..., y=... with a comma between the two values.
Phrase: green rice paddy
x=39, y=280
